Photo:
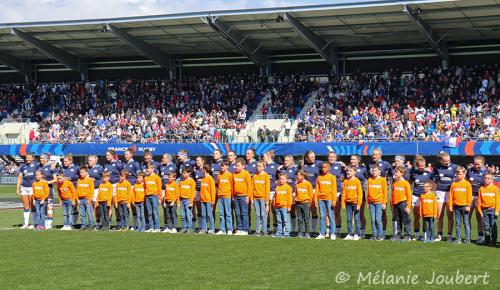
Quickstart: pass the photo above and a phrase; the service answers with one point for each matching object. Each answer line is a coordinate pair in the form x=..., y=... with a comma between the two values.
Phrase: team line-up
x=294, y=197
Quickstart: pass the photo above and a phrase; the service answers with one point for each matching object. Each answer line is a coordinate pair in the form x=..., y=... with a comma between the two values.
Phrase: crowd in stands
x=8, y=168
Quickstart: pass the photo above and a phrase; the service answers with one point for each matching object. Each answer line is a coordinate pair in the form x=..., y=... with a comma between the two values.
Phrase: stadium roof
x=327, y=29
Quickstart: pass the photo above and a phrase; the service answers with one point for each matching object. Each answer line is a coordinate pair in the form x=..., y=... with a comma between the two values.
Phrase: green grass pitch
x=115, y=260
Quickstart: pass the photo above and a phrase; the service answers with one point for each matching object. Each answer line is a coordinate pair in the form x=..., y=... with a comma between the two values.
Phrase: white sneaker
x=31, y=227
x=327, y=232
x=237, y=232
x=24, y=227
x=243, y=233
x=48, y=227
x=348, y=238
x=173, y=231
x=333, y=237
x=167, y=230
x=320, y=237
x=132, y=229
x=211, y=232
x=438, y=238
x=149, y=231
x=356, y=238
x=220, y=233
x=229, y=233
x=157, y=231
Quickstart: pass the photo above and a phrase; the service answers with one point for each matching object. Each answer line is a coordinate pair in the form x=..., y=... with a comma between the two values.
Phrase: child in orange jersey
x=377, y=201
x=303, y=198
x=352, y=198
x=138, y=191
x=104, y=197
x=401, y=200
x=460, y=203
x=207, y=199
x=152, y=192
x=325, y=198
x=283, y=204
x=488, y=207
x=85, y=192
x=242, y=189
x=171, y=201
x=123, y=199
x=260, y=197
x=224, y=195
x=67, y=199
x=428, y=211
x=187, y=188
x=40, y=195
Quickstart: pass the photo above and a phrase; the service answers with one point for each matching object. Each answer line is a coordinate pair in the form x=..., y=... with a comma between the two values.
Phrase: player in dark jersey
x=337, y=170
x=95, y=172
x=49, y=171
x=216, y=168
x=312, y=167
x=475, y=175
x=361, y=173
x=290, y=169
x=272, y=170
x=418, y=177
x=24, y=189
x=251, y=166
x=114, y=167
x=72, y=173
x=148, y=159
x=133, y=167
x=185, y=162
x=231, y=157
x=199, y=174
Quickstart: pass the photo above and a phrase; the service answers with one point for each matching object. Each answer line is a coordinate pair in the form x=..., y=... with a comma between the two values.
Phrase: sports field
x=95, y=260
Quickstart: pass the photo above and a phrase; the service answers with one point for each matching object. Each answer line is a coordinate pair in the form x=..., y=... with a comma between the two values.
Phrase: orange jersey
x=326, y=188
x=261, y=186
x=138, y=192
x=152, y=184
x=85, y=188
x=242, y=183
x=428, y=205
x=352, y=192
x=283, y=196
x=187, y=189
x=66, y=190
x=40, y=190
x=172, y=192
x=489, y=197
x=460, y=194
x=304, y=191
x=401, y=191
x=377, y=190
x=207, y=189
x=105, y=192
x=225, y=184
x=123, y=192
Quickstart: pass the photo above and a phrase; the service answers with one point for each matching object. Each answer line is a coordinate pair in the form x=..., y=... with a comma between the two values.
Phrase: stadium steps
x=15, y=132
x=308, y=105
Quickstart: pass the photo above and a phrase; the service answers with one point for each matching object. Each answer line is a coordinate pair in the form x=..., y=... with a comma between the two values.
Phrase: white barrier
x=8, y=179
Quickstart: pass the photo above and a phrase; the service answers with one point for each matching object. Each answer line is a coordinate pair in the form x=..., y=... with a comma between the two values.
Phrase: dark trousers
x=303, y=212
x=104, y=209
x=402, y=218
x=171, y=215
x=490, y=226
x=429, y=228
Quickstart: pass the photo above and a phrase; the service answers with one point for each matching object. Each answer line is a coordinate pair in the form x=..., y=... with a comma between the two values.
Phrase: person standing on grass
x=85, y=192
x=133, y=167
x=385, y=172
x=361, y=173
x=24, y=188
x=352, y=199
x=187, y=188
x=312, y=167
x=166, y=167
x=72, y=173
x=123, y=200
x=138, y=193
x=153, y=193
x=428, y=211
x=198, y=176
x=489, y=207
x=418, y=176
x=104, y=198
x=207, y=199
x=290, y=169
x=95, y=172
x=303, y=199
x=399, y=160
x=49, y=174
x=170, y=203
x=475, y=175
x=337, y=170
x=67, y=199
x=40, y=195
x=113, y=166
x=260, y=198
x=460, y=203
x=377, y=201
x=225, y=192
x=283, y=204
x=401, y=199
x=272, y=170
x=324, y=199
x=242, y=189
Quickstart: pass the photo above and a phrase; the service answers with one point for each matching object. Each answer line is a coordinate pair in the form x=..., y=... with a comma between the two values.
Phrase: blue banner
x=469, y=148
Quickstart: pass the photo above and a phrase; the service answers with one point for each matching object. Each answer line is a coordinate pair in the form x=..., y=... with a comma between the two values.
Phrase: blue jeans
x=490, y=225
x=241, y=209
x=325, y=207
x=226, y=217
x=186, y=214
x=86, y=211
x=153, y=214
x=207, y=216
x=103, y=207
x=124, y=215
x=141, y=220
x=283, y=222
x=67, y=210
x=351, y=209
x=376, y=218
x=461, y=215
x=429, y=228
x=260, y=215
x=40, y=212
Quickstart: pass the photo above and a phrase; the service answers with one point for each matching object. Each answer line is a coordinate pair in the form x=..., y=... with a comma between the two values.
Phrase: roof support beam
x=21, y=66
x=68, y=60
x=434, y=40
x=253, y=51
x=159, y=57
x=325, y=49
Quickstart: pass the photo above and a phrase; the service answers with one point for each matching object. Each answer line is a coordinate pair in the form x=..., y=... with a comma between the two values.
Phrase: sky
x=46, y=10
